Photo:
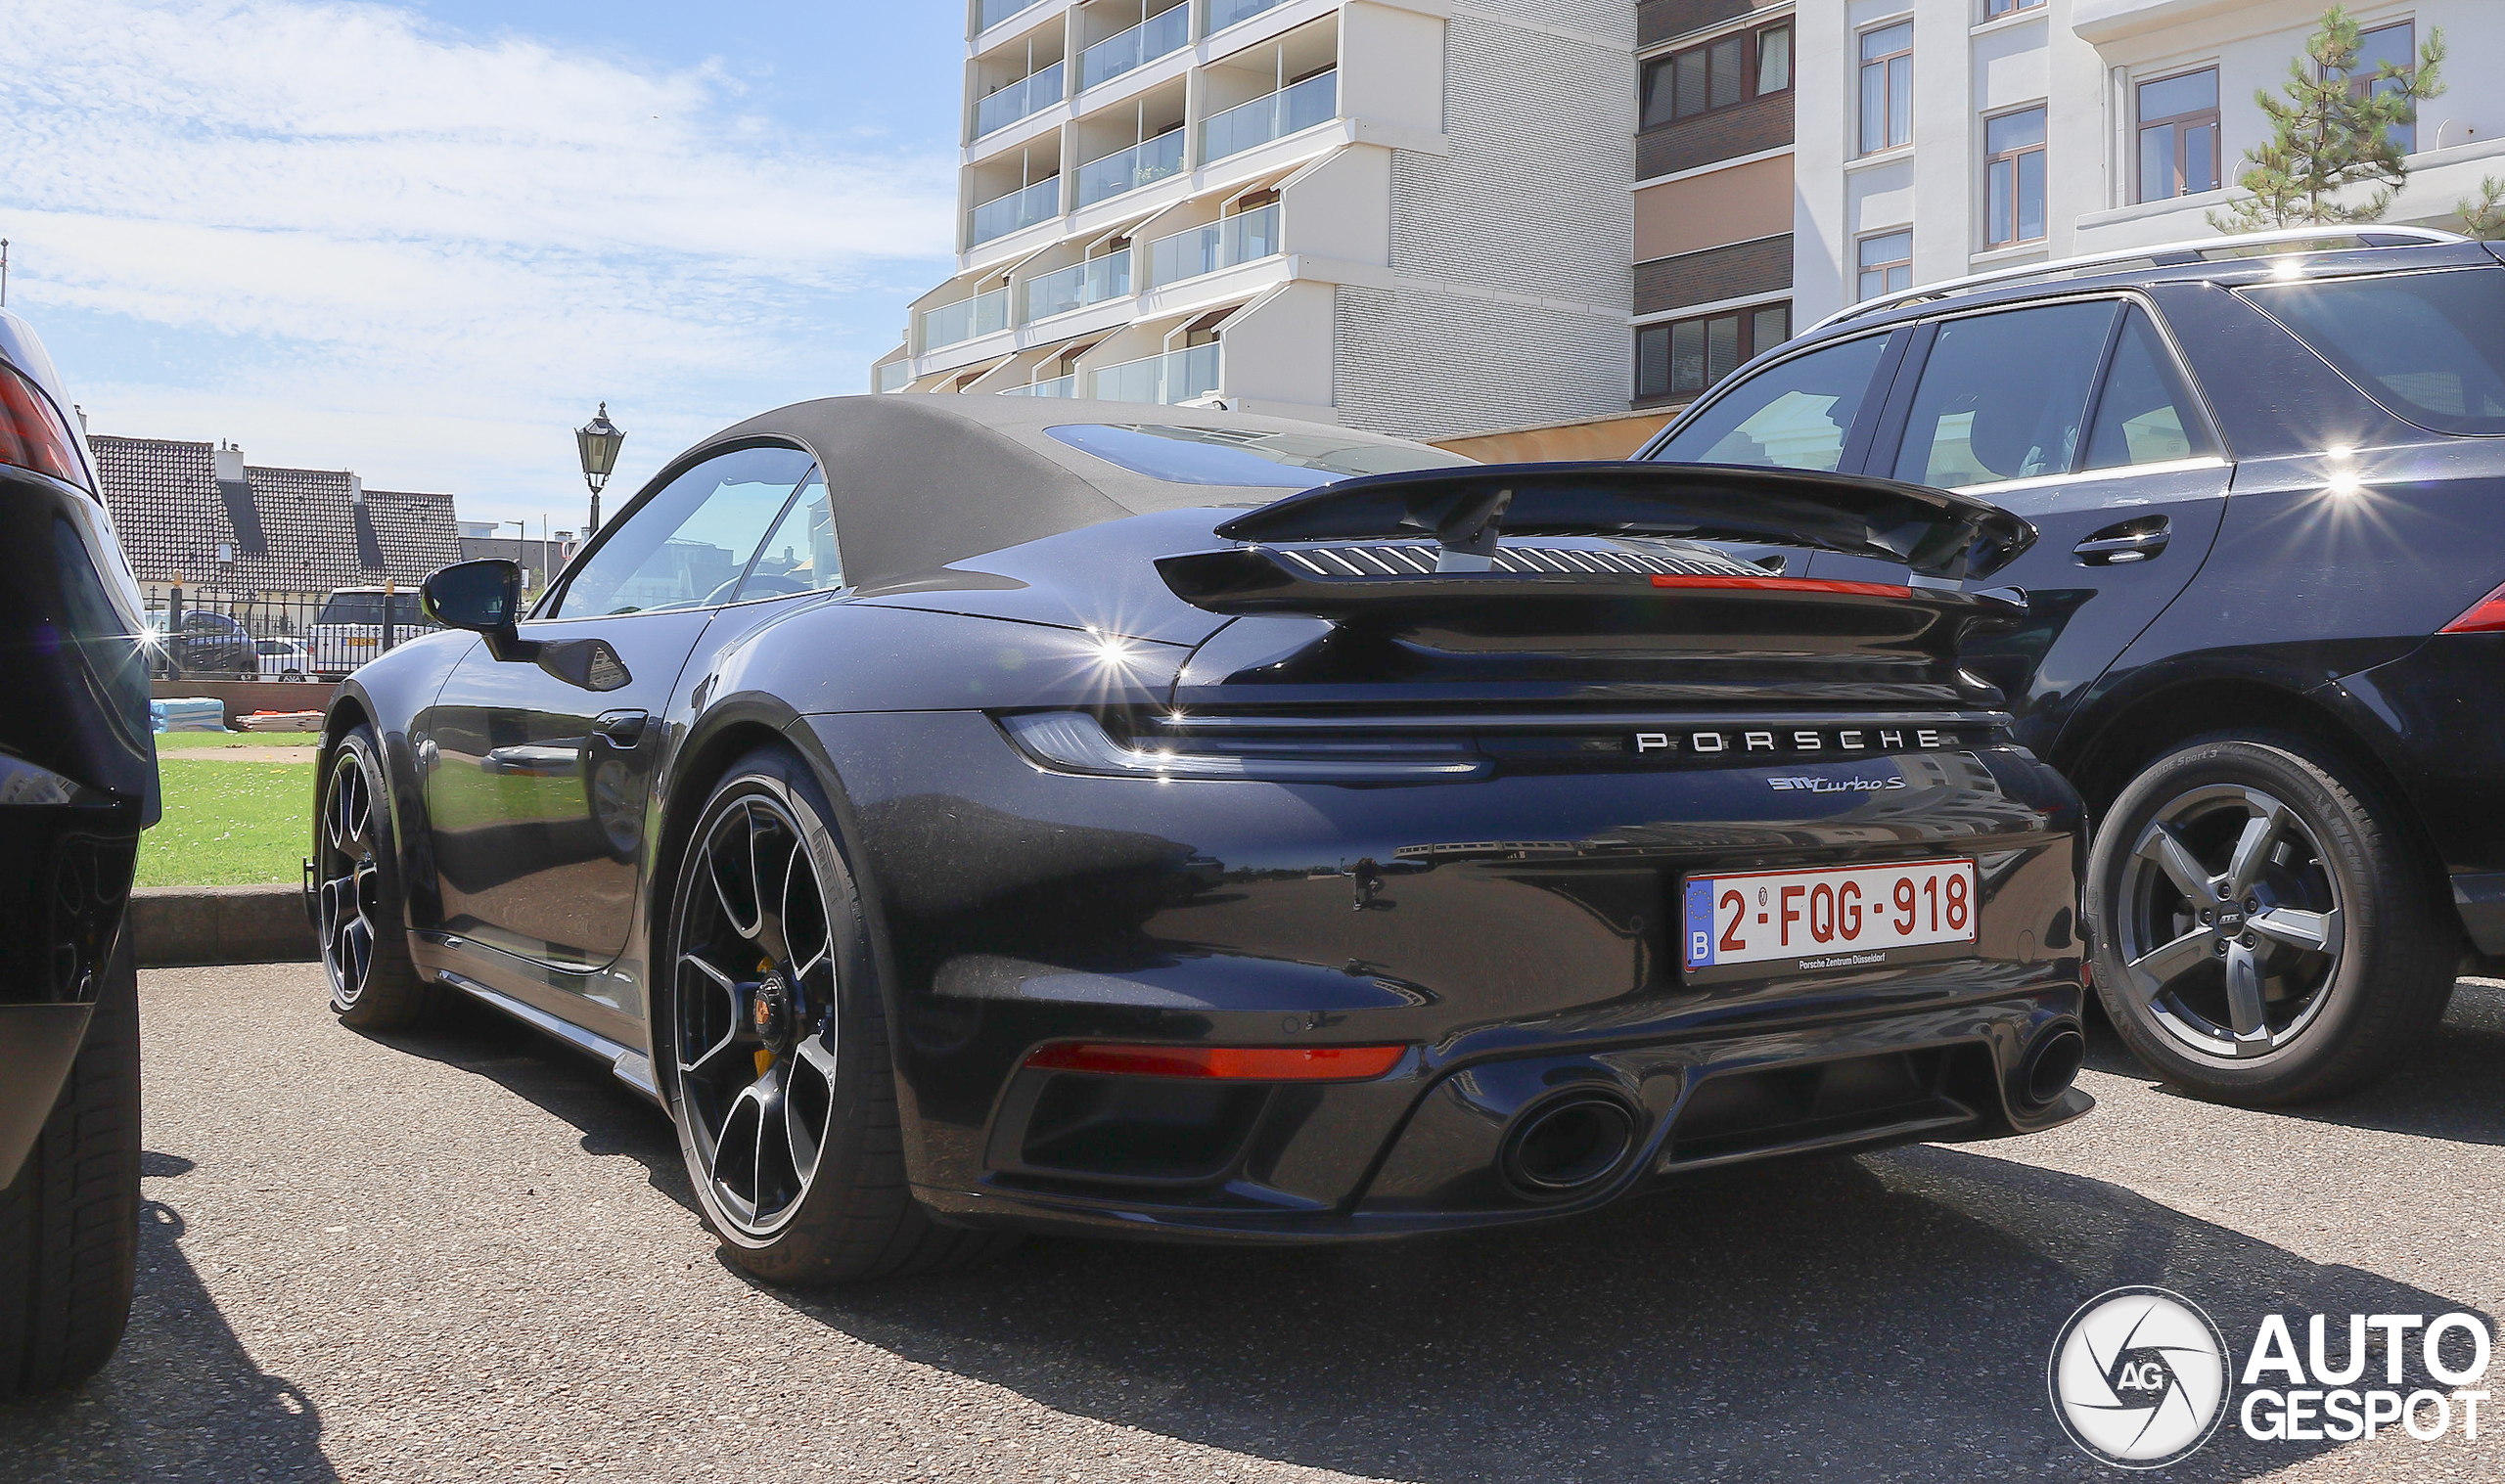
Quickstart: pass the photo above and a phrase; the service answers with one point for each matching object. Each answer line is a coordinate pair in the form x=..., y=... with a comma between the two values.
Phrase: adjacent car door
x=2079, y=417
x=539, y=774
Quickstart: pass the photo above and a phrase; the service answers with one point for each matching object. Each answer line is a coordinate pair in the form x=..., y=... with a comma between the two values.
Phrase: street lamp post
x=598, y=440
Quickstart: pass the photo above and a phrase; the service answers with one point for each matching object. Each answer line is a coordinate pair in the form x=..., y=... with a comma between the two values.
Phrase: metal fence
x=216, y=634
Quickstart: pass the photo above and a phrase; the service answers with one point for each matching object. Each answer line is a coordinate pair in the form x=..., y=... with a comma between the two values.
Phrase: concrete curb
x=220, y=924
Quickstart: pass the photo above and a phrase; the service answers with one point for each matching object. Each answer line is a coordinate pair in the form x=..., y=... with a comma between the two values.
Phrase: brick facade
x=1760, y=123
x=1741, y=270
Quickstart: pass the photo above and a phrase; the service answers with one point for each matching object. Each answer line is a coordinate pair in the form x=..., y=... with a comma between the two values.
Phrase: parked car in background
x=77, y=784
x=2265, y=630
x=349, y=631
x=1168, y=821
x=200, y=645
x=284, y=659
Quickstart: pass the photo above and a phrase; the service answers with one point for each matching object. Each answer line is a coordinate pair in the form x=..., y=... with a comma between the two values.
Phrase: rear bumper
x=2431, y=715
x=1517, y=933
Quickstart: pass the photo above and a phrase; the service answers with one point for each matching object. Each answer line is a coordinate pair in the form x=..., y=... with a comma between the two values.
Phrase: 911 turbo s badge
x=1833, y=784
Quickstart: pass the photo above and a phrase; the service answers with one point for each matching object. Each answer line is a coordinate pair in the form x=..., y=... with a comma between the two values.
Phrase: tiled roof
x=172, y=520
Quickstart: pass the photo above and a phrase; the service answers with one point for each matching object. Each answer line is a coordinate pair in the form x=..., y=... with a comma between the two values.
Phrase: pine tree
x=2484, y=219
x=2328, y=135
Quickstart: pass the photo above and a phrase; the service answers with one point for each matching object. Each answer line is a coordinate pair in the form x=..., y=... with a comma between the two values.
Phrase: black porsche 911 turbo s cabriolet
x=973, y=814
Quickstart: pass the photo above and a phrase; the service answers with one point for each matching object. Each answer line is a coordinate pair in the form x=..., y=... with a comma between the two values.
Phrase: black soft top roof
x=917, y=481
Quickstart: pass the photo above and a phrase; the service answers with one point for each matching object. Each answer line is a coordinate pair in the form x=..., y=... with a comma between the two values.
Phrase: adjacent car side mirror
x=485, y=598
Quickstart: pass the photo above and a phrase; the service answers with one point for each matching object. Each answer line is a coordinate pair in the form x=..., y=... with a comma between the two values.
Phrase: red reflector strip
x=1234, y=1063
x=1783, y=585
x=32, y=434
x=2485, y=616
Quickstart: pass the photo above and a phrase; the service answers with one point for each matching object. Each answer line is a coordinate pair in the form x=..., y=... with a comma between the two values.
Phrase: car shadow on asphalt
x=1882, y=1318
x=2450, y=1089
x=180, y=1401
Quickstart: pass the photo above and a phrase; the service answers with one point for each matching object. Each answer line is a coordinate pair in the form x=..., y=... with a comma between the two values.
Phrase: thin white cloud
x=366, y=227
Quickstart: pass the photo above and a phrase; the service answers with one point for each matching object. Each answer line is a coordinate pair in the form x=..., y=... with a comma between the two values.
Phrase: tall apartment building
x=1407, y=215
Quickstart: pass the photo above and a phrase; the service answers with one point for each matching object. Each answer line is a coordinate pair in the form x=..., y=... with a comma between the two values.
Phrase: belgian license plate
x=1849, y=917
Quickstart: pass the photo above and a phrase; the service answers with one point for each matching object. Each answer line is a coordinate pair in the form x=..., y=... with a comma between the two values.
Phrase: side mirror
x=482, y=597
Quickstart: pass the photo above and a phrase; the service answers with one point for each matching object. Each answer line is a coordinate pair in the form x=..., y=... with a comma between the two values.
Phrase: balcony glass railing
x=966, y=319
x=1144, y=43
x=1057, y=387
x=1263, y=120
x=894, y=374
x=1079, y=285
x=1176, y=376
x=1195, y=250
x=1143, y=163
x=1031, y=94
x=999, y=217
x=995, y=12
x=1225, y=13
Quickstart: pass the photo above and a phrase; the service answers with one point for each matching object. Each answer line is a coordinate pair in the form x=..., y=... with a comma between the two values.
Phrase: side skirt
x=631, y=1066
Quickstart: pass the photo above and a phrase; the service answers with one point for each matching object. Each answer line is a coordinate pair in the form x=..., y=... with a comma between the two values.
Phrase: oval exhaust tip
x=1569, y=1144
x=2051, y=1066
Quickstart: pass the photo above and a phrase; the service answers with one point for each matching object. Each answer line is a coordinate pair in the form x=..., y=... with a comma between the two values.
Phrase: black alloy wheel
x=2262, y=935
x=356, y=903
x=772, y=1048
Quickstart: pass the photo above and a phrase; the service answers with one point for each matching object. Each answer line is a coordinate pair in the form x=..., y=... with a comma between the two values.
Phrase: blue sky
x=421, y=240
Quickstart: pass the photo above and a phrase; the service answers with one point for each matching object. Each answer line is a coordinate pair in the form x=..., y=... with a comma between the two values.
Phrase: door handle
x=622, y=729
x=2131, y=541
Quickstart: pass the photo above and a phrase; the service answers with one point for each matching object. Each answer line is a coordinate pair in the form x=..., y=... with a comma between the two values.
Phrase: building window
x=2014, y=177
x=2398, y=45
x=1886, y=264
x=1683, y=357
x=1993, y=10
x=1886, y=87
x=2179, y=135
x=1719, y=75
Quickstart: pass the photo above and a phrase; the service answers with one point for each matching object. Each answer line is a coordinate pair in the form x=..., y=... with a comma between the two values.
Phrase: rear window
x=1244, y=456
x=2429, y=347
x=367, y=608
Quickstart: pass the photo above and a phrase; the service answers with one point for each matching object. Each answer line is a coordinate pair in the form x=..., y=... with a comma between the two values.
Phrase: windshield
x=1244, y=456
x=367, y=608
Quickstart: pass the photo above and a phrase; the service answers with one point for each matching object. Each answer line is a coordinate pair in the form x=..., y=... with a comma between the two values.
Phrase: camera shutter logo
x=2139, y=1378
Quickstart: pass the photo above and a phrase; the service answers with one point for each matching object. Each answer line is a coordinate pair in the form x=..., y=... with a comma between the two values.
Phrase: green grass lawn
x=228, y=824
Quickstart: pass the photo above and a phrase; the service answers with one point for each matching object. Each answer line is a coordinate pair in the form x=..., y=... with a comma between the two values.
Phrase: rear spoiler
x=1945, y=537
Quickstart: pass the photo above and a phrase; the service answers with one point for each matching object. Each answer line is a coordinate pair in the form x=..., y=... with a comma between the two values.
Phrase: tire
x=69, y=1224
x=359, y=904
x=772, y=1050
x=2346, y=966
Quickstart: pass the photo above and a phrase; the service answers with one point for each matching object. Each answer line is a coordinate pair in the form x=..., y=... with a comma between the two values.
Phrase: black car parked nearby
x=77, y=783
x=2266, y=636
x=201, y=646
x=974, y=813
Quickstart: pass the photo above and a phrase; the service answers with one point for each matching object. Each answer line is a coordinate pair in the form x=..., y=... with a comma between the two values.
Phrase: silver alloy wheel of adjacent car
x=349, y=897
x=2227, y=922
x=754, y=1012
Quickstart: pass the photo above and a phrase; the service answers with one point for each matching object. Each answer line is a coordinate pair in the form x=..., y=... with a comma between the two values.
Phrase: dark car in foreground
x=2265, y=631
x=77, y=783
x=973, y=814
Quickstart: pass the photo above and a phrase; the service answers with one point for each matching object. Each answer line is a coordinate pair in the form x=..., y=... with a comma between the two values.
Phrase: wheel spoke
x=2157, y=971
x=2244, y=1000
x=2252, y=847
x=739, y=1031
x=2312, y=932
x=743, y=924
x=2165, y=847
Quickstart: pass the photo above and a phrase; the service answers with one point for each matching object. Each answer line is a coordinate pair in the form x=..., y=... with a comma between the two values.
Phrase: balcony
x=1223, y=244
x=895, y=375
x=1313, y=100
x=1144, y=163
x=1225, y=13
x=1079, y=285
x=1154, y=37
x=1057, y=387
x=1176, y=376
x=1030, y=95
x=995, y=12
x=965, y=320
x=1002, y=215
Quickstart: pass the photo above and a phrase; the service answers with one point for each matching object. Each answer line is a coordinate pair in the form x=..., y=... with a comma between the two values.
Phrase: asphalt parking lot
x=469, y=1255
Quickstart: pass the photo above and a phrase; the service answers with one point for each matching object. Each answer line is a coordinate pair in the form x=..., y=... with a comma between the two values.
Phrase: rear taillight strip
x=1782, y=585
x=2485, y=616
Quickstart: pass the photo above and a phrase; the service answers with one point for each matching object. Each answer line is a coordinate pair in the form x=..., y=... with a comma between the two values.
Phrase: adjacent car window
x=2002, y=395
x=1793, y=415
x=2429, y=347
x=688, y=544
x=799, y=555
x=2146, y=414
